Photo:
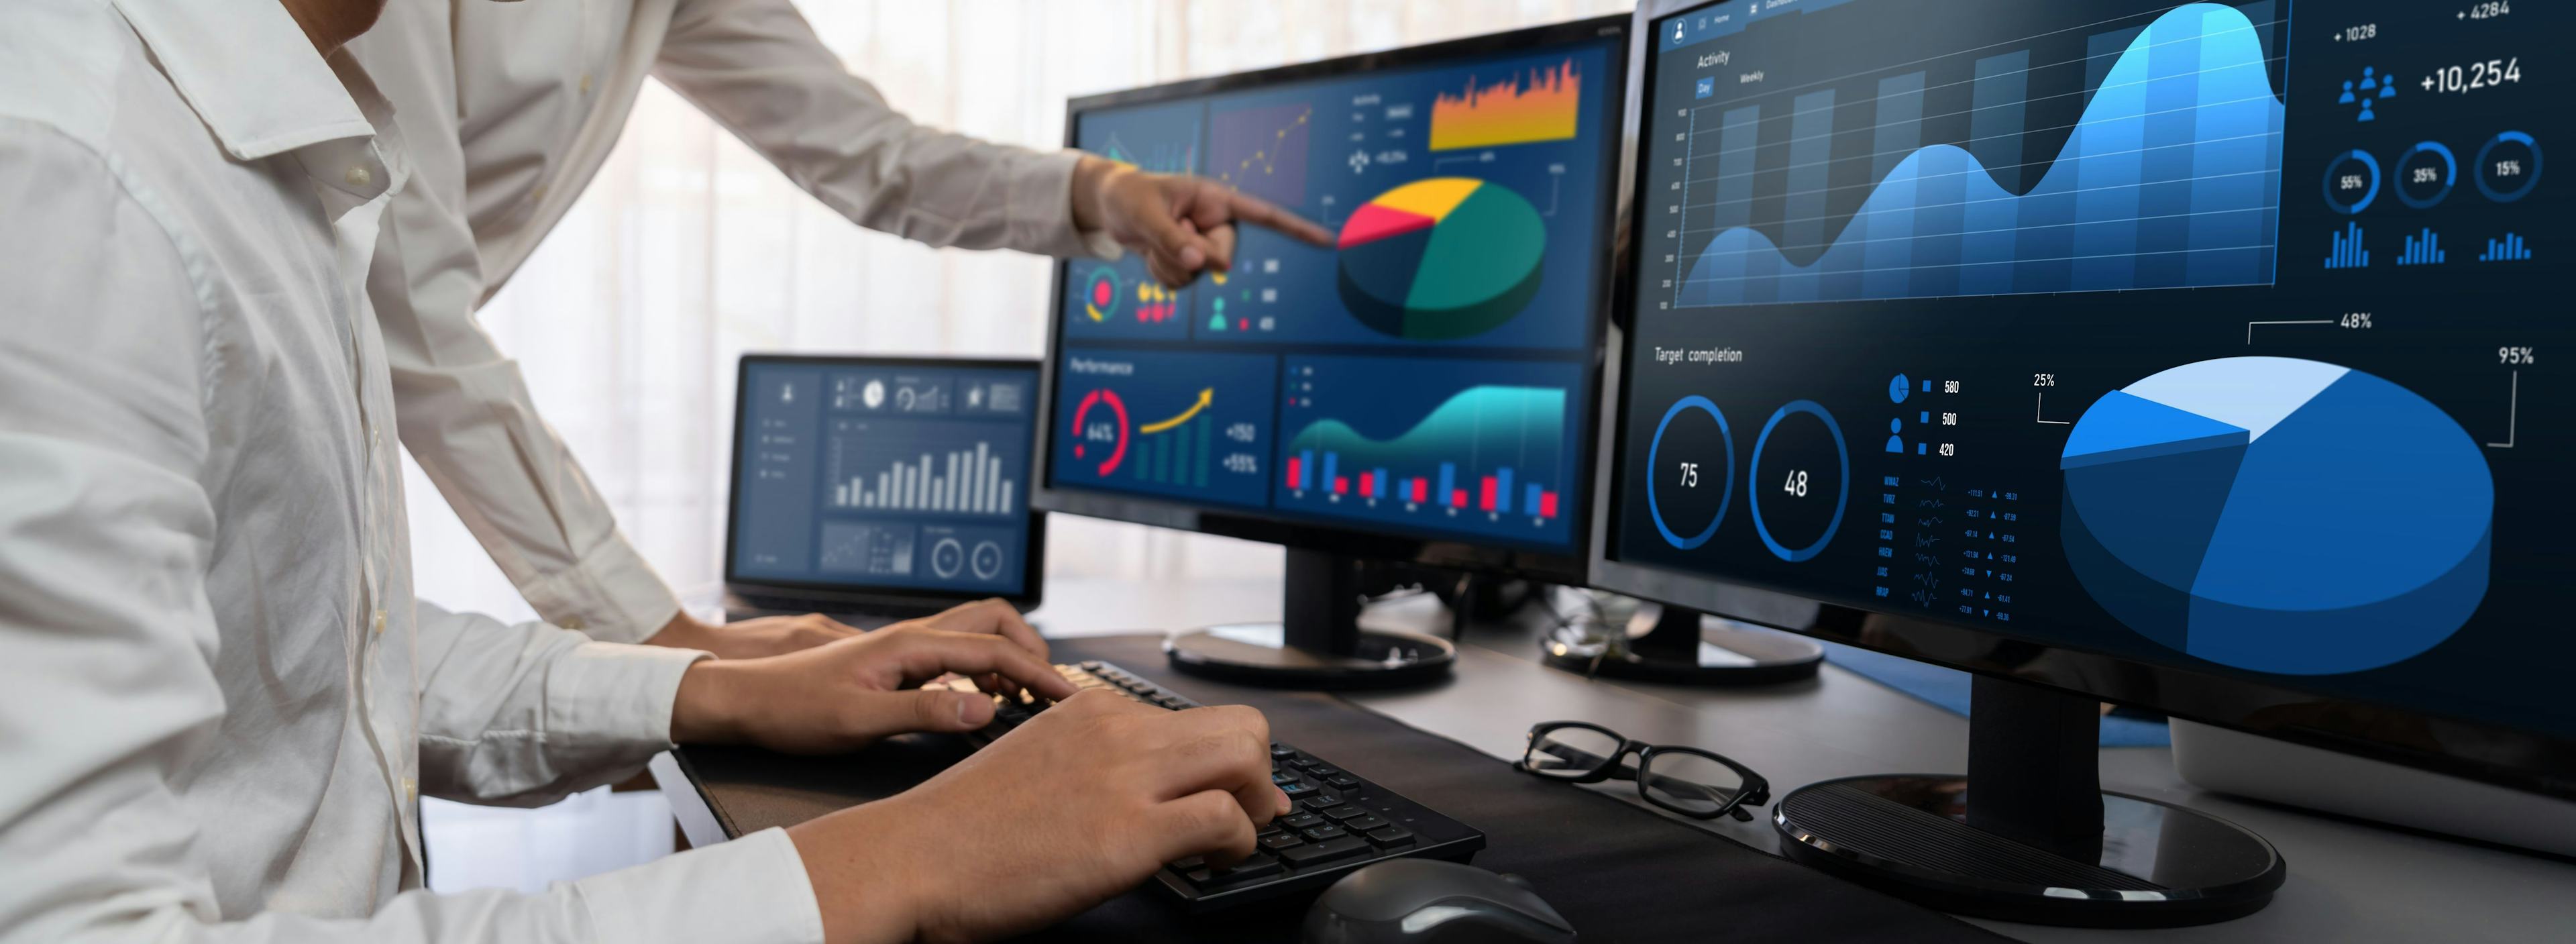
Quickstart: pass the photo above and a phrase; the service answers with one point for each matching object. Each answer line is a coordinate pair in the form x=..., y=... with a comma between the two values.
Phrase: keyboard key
x=1361, y=824
x=1259, y=866
x=1326, y=851
x=1281, y=840
x=1323, y=772
x=1283, y=778
x=1345, y=781
x=1344, y=811
x=1298, y=790
x=1187, y=864
x=1321, y=833
x=1391, y=836
x=1280, y=751
x=1305, y=763
x=1301, y=820
x=1322, y=798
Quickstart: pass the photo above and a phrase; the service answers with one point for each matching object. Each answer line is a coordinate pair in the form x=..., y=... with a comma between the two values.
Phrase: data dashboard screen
x=1429, y=373
x=2220, y=335
x=860, y=475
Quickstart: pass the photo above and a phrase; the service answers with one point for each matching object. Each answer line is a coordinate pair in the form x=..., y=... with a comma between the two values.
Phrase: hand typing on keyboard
x=848, y=694
x=1079, y=803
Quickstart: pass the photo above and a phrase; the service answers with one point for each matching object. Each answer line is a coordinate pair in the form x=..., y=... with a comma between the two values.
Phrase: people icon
x=1895, y=442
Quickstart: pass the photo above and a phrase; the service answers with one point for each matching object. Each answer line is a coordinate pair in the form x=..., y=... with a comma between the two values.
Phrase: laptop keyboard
x=1342, y=821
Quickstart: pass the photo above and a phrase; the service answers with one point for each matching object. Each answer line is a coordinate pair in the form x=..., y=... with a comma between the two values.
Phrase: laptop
x=879, y=489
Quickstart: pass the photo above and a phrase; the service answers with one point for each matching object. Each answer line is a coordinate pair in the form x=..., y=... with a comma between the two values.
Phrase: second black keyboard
x=1341, y=821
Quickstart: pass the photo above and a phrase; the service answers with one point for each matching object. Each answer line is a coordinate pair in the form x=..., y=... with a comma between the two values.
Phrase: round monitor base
x=1248, y=654
x=1726, y=655
x=2154, y=865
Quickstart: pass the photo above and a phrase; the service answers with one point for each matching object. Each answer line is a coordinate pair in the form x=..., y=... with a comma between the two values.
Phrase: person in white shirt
x=510, y=109
x=219, y=701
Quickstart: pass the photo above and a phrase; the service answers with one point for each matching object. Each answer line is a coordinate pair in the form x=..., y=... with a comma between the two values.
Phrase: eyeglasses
x=1686, y=780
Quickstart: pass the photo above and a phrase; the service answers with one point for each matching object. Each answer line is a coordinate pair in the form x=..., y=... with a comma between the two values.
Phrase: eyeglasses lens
x=1570, y=752
x=1690, y=783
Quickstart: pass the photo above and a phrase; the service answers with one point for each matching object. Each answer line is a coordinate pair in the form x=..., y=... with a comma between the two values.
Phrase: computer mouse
x=1423, y=901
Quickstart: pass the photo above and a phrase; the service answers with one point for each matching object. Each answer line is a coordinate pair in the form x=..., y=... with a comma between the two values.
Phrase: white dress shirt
x=509, y=110
x=218, y=703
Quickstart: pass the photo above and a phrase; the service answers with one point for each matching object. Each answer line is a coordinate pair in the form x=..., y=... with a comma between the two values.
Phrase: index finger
x=930, y=653
x=1252, y=209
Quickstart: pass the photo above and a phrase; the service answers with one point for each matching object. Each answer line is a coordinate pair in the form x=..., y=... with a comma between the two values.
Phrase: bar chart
x=1437, y=444
x=2508, y=249
x=2346, y=251
x=2423, y=248
x=886, y=465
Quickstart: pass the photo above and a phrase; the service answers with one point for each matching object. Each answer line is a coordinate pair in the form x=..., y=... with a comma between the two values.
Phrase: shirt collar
x=249, y=72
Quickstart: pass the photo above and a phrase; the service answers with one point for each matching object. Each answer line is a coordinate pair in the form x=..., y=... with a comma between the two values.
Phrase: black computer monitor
x=2159, y=354
x=1421, y=391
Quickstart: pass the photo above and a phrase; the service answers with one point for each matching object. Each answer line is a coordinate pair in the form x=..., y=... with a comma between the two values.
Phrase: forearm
x=525, y=714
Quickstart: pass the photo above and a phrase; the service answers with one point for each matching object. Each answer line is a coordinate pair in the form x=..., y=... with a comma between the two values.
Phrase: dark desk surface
x=2349, y=881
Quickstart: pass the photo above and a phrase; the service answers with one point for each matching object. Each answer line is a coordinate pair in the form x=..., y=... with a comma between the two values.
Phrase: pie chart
x=1443, y=258
x=2278, y=515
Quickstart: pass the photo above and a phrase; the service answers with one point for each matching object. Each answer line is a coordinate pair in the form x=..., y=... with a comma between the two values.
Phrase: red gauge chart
x=1100, y=431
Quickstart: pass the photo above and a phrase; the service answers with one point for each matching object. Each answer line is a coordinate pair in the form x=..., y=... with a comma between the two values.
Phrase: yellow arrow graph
x=1205, y=396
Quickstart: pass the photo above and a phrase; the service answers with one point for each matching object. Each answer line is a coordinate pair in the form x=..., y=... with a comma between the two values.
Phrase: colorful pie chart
x=2278, y=515
x=1443, y=258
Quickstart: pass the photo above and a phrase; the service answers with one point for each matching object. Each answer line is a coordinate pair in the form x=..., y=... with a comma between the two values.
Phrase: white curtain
x=690, y=250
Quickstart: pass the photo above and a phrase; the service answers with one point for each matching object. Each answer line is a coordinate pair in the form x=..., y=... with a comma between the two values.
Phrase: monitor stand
x=1319, y=645
x=1681, y=648
x=2029, y=835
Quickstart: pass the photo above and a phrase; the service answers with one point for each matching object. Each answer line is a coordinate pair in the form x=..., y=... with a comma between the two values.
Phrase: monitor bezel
x=1032, y=590
x=1565, y=566
x=2339, y=724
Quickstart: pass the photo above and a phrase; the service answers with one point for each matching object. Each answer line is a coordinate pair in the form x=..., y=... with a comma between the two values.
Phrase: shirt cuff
x=612, y=703
x=611, y=594
x=1041, y=209
x=751, y=890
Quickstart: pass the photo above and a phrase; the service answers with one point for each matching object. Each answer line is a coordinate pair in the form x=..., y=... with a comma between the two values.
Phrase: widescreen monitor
x=1421, y=390
x=2193, y=356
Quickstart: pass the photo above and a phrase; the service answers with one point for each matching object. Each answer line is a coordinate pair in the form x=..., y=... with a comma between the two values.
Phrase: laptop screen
x=880, y=475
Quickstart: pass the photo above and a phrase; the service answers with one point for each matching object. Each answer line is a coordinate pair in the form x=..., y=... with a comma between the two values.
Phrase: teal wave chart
x=1522, y=427
x=2278, y=515
x=2170, y=179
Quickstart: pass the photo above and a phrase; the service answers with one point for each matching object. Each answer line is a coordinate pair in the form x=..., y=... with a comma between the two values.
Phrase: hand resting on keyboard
x=1080, y=803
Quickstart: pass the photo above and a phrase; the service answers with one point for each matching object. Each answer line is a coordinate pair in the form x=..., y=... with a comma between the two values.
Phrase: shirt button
x=585, y=83
x=358, y=176
x=380, y=622
x=411, y=790
x=571, y=623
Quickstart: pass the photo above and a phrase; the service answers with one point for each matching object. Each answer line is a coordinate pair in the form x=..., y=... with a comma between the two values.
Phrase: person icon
x=1895, y=442
x=2347, y=98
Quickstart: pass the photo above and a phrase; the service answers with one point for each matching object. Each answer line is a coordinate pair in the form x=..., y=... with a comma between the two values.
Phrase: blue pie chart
x=2278, y=515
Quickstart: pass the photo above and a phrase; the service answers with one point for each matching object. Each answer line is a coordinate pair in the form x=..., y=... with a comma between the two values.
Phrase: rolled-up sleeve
x=758, y=68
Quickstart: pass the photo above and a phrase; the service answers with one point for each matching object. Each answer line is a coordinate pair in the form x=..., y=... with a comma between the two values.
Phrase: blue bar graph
x=1503, y=490
x=1332, y=468
x=1378, y=483
x=1306, y=470
x=2348, y=253
x=2508, y=249
x=2424, y=248
x=1449, y=484
x=1532, y=503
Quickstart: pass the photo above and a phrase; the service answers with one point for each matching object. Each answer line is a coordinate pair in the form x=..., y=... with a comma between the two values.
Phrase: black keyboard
x=1341, y=821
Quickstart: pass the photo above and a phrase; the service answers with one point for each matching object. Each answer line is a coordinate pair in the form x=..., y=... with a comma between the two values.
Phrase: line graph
x=2169, y=178
x=1262, y=151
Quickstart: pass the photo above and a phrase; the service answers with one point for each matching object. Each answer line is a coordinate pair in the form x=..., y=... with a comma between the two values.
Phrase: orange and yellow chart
x=1541, y=106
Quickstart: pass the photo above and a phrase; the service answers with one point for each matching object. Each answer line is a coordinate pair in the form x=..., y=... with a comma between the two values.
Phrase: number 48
x=1797, y=483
